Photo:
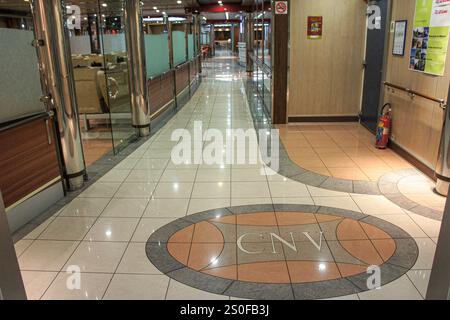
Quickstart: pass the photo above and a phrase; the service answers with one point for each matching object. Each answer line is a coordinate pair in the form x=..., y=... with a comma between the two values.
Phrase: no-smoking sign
x=281, y=7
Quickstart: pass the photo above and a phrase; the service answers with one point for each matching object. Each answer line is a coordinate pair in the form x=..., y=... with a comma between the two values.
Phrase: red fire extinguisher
x=384, y=127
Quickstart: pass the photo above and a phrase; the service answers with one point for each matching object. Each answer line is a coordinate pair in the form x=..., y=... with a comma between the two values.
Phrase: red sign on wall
x=315, y=27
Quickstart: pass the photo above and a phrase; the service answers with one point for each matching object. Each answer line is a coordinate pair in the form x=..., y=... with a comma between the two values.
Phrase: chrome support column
x=249, y=36
x=53, y=47
x=136, y=67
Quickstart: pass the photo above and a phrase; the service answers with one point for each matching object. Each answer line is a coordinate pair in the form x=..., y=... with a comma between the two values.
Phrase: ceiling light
x=104, y=5
x=179, y=2
x=155, y=8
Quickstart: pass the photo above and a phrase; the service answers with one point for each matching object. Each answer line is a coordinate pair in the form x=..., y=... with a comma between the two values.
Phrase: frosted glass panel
x=179, y=47
x=191, y=46
x=20, y=88
x=157, y=54
x=114, y=43
x=80, y=45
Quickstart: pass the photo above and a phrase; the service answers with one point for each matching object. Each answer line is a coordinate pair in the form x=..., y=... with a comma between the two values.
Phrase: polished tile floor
x=343, y=151
x=104, y=231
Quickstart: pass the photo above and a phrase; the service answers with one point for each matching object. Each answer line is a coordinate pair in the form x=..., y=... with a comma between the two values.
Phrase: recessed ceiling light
x=179, y=2
x=104, y=5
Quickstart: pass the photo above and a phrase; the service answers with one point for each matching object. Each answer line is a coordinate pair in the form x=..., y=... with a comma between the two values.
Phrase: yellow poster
x=430, y=36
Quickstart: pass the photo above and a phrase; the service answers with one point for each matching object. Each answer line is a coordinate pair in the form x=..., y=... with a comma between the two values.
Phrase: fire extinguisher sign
x=281, y=7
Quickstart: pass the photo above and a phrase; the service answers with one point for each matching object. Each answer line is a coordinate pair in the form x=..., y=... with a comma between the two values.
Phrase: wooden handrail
x=415, y=93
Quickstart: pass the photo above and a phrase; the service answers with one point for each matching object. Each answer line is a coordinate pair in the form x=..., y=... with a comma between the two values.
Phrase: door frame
x=387, y=41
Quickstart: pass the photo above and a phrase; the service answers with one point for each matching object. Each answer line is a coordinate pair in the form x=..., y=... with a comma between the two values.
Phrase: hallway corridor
x=152, y=229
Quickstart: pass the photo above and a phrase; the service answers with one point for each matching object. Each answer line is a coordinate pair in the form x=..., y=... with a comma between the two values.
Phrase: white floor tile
x=37, y=282
x=84, y=207
x=135, y=261
x=179, y=291
x=400, y=289
x=67, y=228
x=92, y=287
x=45, y=255
x=125, y=208
x=166, y=208
x=137, y=287
x=112, y=229
x=97, y=256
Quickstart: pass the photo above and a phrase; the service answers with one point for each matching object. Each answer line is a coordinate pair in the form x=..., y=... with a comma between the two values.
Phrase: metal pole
x=52, y=43
x=11, y=283
x=137, y=71
x=250, y=34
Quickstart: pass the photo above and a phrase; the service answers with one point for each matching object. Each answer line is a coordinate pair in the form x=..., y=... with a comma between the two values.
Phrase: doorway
x=99, y=60
x=374, y=64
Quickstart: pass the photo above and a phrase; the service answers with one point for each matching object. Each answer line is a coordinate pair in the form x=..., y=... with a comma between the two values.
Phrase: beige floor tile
x=135, y=261
x=147, y=226
x=137, y=287
x=200, y=205
x=205, y=190
x=125, y=208
x=37, y=282
x=400, y=289
x=112, y=229
x=250, y=190
x=136, y=190
x=67, y=228
x=101, y=257
x=21, y=246
x=288, y=189
x=84, y=207
x=337, y=202
x=44, y=255
x=179, y=291
x=173, y=190
x=92, y=287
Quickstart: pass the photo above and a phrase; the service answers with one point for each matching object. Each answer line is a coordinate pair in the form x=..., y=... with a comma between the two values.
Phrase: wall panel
x=417, y=122
x=326, y=74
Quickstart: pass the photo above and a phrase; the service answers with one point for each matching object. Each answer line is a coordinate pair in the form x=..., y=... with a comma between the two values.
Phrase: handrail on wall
x=415, y=93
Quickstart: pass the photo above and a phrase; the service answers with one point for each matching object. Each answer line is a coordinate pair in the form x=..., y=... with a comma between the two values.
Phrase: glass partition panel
x=117, y=95
x=157, y=54
x=268, y=38
x=20, y=89
x=191, y=46
x=179, y=47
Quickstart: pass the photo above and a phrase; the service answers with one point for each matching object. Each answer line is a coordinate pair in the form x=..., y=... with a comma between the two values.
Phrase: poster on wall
x=315, y=27
x=430, y=36
x=399, y=38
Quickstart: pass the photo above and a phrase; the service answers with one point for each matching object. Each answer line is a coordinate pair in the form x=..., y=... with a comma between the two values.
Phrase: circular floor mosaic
x=408, y=189
x=281, y=251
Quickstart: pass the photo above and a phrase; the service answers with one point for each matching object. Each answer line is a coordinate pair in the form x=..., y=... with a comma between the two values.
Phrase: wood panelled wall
x=326, y=75
x=27, y=160
x=417, y=123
